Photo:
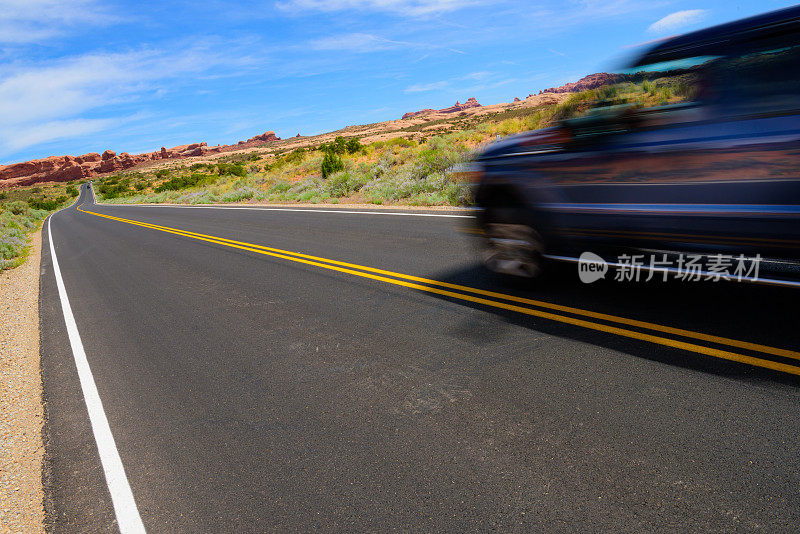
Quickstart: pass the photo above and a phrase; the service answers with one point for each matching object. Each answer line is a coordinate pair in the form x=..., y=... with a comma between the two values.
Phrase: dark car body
x=718, y=173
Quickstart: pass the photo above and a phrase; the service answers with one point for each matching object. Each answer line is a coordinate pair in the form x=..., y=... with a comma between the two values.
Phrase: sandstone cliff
x=66, y=168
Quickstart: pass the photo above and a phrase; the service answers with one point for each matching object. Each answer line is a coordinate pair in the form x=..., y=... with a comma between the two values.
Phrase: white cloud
x=29, y=21
x=367, y=42
x=422, y=87
x=355, y=42
x=52, y=100
x=480, y=75
x=51, y=131
x=678, y=20
x=413, y=8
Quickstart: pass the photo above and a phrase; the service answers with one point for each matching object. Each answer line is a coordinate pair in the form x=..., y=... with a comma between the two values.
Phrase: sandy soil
x=21, y=413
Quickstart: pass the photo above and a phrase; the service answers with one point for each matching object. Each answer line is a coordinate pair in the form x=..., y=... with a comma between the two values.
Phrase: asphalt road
x=250, y=390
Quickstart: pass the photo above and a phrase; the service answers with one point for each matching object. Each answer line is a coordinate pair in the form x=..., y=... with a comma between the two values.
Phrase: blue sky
x=81, y=76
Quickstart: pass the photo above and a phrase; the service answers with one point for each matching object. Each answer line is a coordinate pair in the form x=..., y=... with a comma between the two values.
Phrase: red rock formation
x=458, y=106
x=592, y=81
x=266, y=137
x=258, y=140
x=66, y=168
x=415, y=113
x=470, y=103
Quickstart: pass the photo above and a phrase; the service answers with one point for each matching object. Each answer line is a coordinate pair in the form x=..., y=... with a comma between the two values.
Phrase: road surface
x=251, y=383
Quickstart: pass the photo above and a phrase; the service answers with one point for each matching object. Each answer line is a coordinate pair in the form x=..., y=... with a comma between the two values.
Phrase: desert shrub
x=572, y=105
x=331, y=163
x=197, y=197
x=244, y=193
x=198, y=166
x=115, y=186
x=17, y=207
x=163, y=173
x=343, y=183
x=296, y=156
x=279, y=187
x=71, y=190
x=401, y=142
x=353, y=145
x=47, y=204
x=608, y=92
x=337, y=146
x=233, y=169
x=186, y=181
x=3, y=195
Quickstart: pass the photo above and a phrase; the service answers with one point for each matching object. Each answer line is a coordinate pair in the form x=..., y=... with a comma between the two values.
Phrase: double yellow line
x=493, y=299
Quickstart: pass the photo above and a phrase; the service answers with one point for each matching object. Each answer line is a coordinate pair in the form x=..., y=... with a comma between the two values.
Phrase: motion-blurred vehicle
x=712, y=167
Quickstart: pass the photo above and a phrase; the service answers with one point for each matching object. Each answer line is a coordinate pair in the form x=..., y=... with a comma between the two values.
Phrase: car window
x=765, y=81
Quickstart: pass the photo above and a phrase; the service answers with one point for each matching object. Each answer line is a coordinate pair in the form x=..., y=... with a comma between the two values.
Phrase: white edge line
x=127, y=513
x=294, y=209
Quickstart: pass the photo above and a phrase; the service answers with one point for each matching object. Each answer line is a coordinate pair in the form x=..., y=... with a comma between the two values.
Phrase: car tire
x=511, y=246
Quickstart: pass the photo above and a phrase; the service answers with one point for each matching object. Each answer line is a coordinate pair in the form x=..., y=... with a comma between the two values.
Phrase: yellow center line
x=348, y=268
x=542, y=304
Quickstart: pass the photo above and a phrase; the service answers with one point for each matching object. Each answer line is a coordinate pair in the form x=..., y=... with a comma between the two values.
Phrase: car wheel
x=512, y=249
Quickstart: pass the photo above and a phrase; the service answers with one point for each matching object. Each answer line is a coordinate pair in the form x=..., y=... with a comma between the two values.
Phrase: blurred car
x=712, y=167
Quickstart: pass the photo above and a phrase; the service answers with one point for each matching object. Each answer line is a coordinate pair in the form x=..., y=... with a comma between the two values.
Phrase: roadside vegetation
x=420, y=168
x=22, y=211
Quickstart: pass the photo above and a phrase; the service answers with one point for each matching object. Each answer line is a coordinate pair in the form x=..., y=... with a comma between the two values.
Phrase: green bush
x=47, y=204
x=342, y=183
x=337, y=146
x=197, y=166
x=184, y=182
x=296, y=156
x=17, y=207
x=279, y=187
x=114, y=187
x=233, y=169
x=331, y=163
x=353, y=145
x=72, y=191
x=241, y=157
x=163, y=173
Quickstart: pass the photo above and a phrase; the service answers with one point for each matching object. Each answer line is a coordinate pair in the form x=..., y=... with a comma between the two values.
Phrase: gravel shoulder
x=21, y=411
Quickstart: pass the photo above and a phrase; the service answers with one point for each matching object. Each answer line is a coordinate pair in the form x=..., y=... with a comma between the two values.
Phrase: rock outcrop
x=411, y=114
x=66, y=168
x=458, y=106
x=592, y=81
x=470, y=103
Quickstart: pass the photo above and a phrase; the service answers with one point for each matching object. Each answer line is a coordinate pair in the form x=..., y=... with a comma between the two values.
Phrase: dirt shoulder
x=21, y=413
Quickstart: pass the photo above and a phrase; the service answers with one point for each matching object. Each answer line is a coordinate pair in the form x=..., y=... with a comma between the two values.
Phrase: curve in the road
x=468, y=294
